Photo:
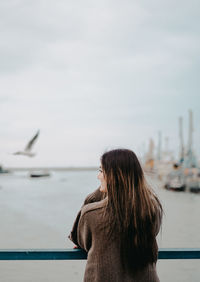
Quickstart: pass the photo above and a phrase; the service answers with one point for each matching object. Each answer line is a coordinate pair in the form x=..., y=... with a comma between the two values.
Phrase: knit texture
x=104, y=263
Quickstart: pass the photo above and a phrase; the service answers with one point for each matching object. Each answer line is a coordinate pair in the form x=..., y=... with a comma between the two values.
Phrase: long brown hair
x=133, y=209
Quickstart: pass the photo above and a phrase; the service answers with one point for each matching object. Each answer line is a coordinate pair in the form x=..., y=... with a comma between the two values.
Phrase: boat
x=38, y=174
x=175, y=180
x=194, y=188
x=175, y=185
x=186, y=173
x=2, y=170
x=193, y=180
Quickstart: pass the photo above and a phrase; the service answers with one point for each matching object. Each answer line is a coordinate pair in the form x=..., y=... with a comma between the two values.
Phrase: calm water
x=39, y=213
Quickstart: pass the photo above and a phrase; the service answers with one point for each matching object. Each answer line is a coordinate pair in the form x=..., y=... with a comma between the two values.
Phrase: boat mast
x=190, y=157
x=159, y=146
x=151, y=149
x=191, y=129
x=181, y=152
x=166, y=145
x=149, y=163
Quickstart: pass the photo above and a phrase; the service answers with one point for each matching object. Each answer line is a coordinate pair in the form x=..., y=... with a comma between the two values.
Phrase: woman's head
x=122, y=178
x=133, y=206
x=121, y=168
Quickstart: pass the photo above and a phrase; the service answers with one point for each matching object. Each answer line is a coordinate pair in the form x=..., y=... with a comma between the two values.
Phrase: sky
x=95, y=76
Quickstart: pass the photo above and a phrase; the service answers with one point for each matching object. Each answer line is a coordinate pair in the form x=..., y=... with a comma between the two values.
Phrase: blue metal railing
x=78, y=254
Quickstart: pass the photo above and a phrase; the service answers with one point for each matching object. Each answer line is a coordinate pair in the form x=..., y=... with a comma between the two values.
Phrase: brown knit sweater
x=104, y=263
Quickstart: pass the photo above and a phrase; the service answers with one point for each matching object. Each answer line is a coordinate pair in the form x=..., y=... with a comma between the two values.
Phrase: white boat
x=175, y=180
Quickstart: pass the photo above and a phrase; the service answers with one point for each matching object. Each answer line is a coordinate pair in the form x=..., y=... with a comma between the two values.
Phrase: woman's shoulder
x=95, y=196
x=93, y=207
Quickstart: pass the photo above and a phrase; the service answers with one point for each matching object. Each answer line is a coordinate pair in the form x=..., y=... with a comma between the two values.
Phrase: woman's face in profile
x=102, y=179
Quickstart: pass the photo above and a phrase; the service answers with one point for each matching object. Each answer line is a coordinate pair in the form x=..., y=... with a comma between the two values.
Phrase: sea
x=38, y=213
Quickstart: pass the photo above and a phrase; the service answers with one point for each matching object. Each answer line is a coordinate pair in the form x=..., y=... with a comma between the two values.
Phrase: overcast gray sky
x=95, y=75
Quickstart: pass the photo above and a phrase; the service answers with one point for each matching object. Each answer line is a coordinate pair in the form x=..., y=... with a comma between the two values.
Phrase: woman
x=118, y=223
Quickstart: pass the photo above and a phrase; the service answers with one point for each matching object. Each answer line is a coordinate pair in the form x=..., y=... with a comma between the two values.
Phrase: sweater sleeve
x=95, y=196
x=81, y=234
x=84, y=234
x=73, y=234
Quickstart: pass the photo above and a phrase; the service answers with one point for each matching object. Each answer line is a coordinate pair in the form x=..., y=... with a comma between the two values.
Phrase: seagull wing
x=32, y=141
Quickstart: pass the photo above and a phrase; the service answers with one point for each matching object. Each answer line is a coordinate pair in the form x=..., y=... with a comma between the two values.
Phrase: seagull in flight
x=27, y=151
